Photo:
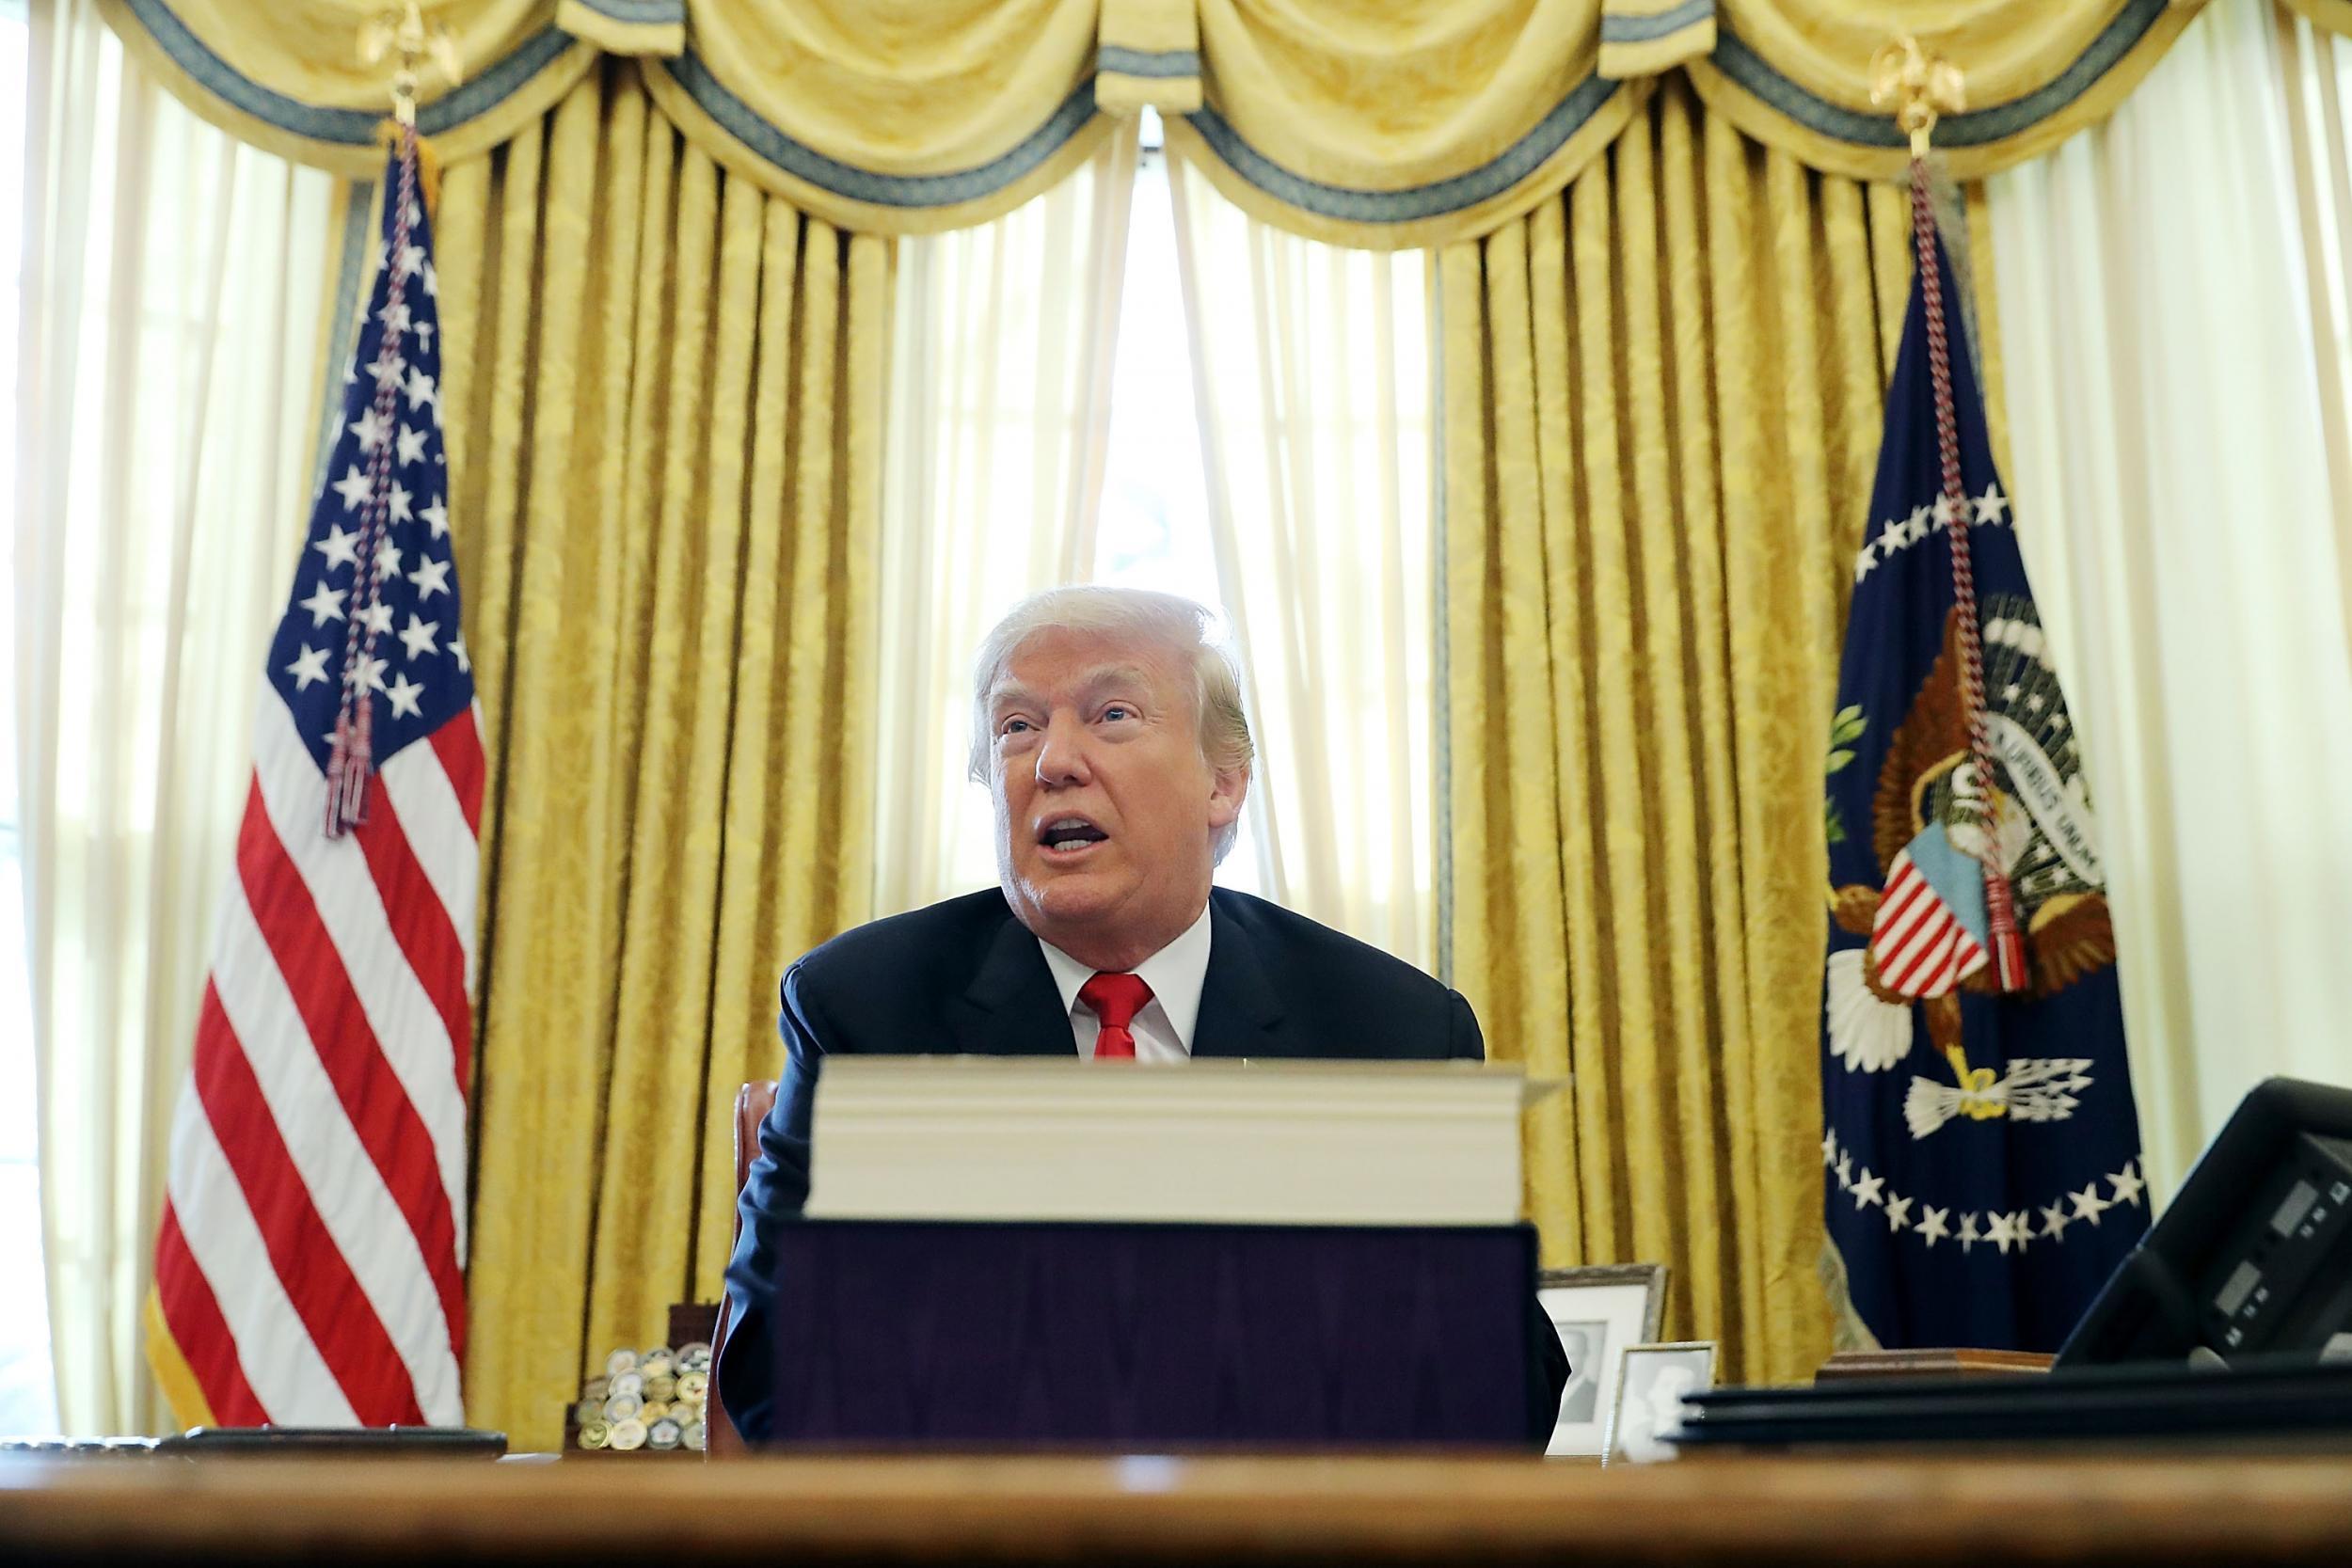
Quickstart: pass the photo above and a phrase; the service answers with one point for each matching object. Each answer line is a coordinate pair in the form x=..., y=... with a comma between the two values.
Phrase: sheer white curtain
x=2315, y=70
x=2174, y=504
x=167, y=412
x=1002, y=347
x=1312, y=374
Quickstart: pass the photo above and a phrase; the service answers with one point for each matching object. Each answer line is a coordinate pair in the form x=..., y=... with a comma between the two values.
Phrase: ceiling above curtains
x=1382, y=124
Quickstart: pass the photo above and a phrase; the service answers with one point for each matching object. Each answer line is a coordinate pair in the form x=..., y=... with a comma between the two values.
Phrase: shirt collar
x=1175, y=974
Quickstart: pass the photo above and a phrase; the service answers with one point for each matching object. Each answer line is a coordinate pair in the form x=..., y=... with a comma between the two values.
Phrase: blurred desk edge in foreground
x=2049, y=1507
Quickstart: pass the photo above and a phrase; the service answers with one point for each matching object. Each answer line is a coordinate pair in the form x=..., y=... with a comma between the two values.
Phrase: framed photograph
x=1598, y=1312
x=1651, y=1387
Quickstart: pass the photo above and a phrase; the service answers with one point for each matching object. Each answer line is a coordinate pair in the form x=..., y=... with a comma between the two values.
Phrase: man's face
x=1106, y=808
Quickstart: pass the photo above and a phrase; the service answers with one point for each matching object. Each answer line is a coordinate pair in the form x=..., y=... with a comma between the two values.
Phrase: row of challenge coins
x=646, y=1400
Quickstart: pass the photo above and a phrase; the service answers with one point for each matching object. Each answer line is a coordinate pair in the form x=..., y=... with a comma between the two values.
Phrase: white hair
x=1174, y=624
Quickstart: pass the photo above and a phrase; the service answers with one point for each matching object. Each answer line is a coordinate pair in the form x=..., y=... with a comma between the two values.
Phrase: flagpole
x=404, y=35
x=1925, y=87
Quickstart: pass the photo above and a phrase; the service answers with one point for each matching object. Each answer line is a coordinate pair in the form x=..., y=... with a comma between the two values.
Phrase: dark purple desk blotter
x=938, y=1333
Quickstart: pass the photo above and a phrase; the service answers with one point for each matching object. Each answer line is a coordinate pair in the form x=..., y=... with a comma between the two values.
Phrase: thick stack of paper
x=1263, y=1142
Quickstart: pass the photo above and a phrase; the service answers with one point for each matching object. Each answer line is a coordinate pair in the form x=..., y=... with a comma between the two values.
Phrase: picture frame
x=1652, y=1382
x=1597, y=1311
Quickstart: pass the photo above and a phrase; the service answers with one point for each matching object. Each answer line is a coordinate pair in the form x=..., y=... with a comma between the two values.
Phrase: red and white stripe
x=1921, y=947
x=311, y=1269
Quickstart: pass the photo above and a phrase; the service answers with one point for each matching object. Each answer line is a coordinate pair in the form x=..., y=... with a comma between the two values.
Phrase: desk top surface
x=2243, y=1507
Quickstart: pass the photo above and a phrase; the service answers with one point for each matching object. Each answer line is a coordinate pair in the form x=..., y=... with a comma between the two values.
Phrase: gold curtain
x=1358, y=122
x=665, y=478
x=1662, y=397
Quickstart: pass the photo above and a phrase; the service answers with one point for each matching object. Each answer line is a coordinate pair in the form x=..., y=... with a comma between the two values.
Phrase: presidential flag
x=309, y=1269
x=1981, y=1141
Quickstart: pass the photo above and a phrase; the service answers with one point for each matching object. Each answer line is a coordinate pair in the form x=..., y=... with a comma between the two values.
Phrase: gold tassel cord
x=1924, y=87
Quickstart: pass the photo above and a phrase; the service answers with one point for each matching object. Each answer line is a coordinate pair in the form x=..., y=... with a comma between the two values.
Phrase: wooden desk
x=2237, y=1509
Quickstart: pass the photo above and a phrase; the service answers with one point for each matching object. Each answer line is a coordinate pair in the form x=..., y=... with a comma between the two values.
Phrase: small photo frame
x=1597, y=1311
x=1651, y=1387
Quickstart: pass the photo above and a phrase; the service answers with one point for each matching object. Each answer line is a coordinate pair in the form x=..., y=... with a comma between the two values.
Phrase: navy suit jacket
x=966, y=976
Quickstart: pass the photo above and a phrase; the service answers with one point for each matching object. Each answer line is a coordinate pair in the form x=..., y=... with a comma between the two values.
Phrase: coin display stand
x=649, y=1401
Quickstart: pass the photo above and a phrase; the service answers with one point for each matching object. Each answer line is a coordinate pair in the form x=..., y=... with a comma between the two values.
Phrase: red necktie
x=1115, y=999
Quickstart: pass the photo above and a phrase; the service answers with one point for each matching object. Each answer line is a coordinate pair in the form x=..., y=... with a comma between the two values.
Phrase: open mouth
x=1067, y=836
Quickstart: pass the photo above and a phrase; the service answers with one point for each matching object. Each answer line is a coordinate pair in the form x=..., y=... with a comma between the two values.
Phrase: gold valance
x=1795, y=74
x=2329, y=16
x=1383, y=123
x=288, y=76
x=1390, y=126
x=890, y=116
x=1386, y=126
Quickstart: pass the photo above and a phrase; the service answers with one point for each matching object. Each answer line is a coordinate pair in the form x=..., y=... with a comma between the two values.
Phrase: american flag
x=1924, y=938
x=310, y=1268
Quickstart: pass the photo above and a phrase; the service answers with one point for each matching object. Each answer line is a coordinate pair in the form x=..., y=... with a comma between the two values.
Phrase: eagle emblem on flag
x=1934, y=826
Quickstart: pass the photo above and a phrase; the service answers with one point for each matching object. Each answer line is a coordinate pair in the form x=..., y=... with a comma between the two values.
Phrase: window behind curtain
x=1155, y=509
x=1310, y=363
x=27, y=1392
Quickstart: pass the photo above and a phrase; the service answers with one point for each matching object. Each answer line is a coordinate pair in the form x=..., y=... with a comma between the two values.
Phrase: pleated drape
x=1662, y=397
x=665, y=465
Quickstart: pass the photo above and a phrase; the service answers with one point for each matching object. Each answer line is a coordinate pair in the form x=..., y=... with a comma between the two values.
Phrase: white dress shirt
x=1163, y=1030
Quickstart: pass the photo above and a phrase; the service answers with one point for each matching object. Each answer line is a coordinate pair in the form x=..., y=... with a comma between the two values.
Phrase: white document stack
x=1227, y=1142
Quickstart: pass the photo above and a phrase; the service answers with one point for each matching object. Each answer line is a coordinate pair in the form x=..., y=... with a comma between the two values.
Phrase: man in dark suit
x=1113, y=739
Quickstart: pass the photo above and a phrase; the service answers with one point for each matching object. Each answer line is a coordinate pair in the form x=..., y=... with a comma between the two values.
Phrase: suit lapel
x=1011, y=1007
x=1240, y=1014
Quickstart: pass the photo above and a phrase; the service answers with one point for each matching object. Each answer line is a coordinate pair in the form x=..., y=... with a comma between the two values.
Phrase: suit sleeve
x=1463, y=1040
x=1546, y=1362
x=775, y=1189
